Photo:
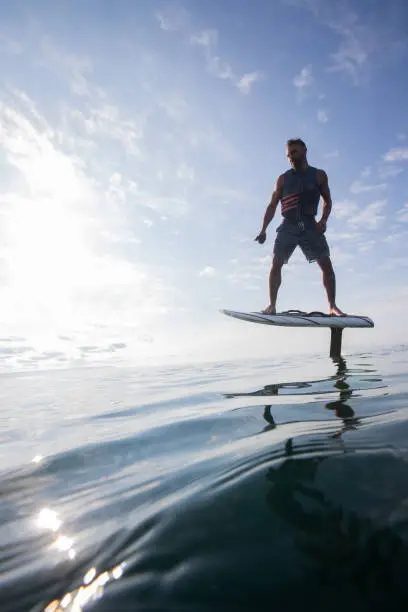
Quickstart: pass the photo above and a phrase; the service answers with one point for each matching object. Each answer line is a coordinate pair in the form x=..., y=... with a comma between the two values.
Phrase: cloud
x=10, y=45
x=245, y=83
x=28, y=145
x=366, y=246
x=121, y=191
x=388, y=171
x=95, y=113
x=210, y=137
x=357, y=187
x=402, y=213
x=352, y=54
x=185, y=172
x=106, y=120
x=207, y=40
x=176, y=19
x=360, y=39
x=65, y=233
x=175, y=106
x=397, y=238
x=393, y=263
x=172, y=17
x=370, y=217
x=303, y=80
x=396, y=154
x=340, y=255
x=68, y=65
x=332, y=154
x=251, y=274
x=208, y=272
x=322, y=116
x=345, y=209
x=347, y=236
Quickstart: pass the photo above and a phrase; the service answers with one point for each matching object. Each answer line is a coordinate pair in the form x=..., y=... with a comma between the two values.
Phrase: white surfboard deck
x=296, y=318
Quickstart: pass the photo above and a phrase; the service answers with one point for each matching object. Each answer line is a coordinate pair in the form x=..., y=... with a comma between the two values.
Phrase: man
x=299, y=191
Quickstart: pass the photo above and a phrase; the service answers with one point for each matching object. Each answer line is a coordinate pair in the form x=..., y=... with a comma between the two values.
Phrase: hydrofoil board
x=298, y=318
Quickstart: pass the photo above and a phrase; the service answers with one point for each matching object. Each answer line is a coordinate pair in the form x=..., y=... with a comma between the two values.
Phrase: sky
x=140, y=143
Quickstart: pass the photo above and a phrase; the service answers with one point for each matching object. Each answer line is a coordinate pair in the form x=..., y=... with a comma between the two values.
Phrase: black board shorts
x=304, y=234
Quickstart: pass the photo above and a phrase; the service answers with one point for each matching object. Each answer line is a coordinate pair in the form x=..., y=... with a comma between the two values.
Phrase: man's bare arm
x=271, y=209
x=323, y=183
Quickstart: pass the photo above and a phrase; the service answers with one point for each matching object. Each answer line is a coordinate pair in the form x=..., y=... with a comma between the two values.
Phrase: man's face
x=296, y=155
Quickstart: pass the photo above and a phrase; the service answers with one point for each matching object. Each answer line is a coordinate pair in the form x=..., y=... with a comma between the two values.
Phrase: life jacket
x=301, y=194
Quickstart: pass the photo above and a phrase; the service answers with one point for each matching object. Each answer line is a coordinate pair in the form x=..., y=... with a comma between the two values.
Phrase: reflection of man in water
x=337, y=544
x=342, y=410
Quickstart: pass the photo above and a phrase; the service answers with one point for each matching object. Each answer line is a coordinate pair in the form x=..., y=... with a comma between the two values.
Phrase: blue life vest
x=301, y=194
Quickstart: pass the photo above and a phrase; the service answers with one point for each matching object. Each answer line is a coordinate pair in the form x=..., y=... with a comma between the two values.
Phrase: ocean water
x=240, y=485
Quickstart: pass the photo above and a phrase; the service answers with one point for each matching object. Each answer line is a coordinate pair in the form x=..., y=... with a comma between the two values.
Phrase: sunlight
x=49, y=254
x=54, y=274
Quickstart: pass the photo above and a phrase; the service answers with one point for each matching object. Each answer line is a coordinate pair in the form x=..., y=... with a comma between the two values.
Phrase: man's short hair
x=295, y=141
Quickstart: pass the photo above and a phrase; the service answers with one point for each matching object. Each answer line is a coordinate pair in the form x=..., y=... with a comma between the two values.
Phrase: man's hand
x=321, y=226
x=261, y=237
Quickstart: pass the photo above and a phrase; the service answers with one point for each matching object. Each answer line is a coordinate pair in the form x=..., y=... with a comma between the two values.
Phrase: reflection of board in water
x=347, y=382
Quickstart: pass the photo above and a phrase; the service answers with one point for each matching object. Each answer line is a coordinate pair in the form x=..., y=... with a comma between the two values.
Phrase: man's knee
x=277, y=263
x=326, y=265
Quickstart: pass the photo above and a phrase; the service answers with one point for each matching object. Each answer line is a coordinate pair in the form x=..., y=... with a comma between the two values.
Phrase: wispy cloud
x=106, y=120
x=322, y=116
x=77, y=69
x=332, y=154
x=10, y=45
x=402, y=213
x=185, y=172
x=207, y=40
x=340, y=255
x=208, y=272
x=360, y=40
x=397, y=154
x=177, y=20
x=345, y=209
x=392, y=263
x=366, y=246
x=346, y=236
x=175, y=106
x=352, y=54
x=357, y=187
x=386, y=171
x=370, y=217
x=303, y=81
x=172, y=17
x=209, y=136
x=246, y=82
x=56, y=205
x=397, y=238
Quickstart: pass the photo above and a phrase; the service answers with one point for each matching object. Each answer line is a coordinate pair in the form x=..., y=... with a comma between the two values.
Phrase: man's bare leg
x=329, y=282
x=275, y=279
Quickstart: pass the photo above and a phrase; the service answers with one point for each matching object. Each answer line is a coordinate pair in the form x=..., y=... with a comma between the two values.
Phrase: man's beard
x=298, y=164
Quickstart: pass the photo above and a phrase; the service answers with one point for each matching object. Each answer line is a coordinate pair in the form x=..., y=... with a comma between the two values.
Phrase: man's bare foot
x=336, y=312
x=269, y=310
